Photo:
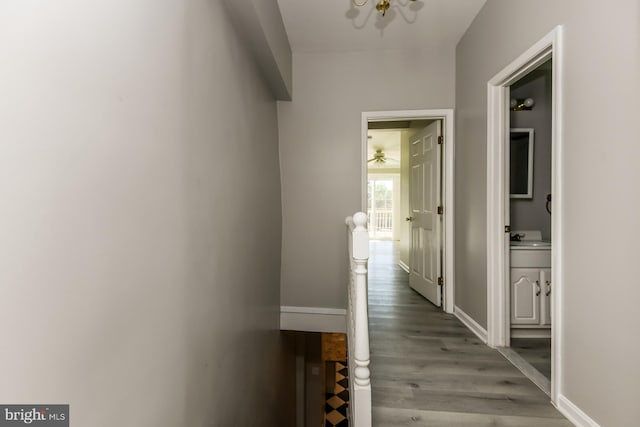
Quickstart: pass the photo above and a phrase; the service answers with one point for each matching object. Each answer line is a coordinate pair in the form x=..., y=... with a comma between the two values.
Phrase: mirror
x=521, y=163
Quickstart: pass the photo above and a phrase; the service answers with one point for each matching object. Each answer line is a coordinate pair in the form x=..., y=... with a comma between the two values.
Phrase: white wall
x=140, y=215
x=320, y=128
x=600, y=224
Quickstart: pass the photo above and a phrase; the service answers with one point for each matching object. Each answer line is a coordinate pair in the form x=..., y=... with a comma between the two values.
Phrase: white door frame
x=498, y=298
x=446, y=115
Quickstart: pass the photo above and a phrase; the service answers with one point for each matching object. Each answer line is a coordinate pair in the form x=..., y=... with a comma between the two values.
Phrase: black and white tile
x=337, y=403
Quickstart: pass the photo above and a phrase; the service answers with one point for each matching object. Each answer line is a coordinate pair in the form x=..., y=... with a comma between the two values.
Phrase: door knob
x=409, y=218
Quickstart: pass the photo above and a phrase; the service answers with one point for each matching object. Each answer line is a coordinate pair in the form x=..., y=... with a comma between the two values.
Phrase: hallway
x=429, y=369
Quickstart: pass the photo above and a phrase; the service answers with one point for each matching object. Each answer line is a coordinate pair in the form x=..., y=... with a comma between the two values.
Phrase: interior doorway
x=529, y=216
x=520, y=295
x=381, y=164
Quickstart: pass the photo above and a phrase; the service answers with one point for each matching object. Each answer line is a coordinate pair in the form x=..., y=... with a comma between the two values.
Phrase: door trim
x=498, y=298
x=446, y=115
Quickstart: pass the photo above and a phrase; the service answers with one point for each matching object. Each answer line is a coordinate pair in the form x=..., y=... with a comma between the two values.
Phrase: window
x=380, y=208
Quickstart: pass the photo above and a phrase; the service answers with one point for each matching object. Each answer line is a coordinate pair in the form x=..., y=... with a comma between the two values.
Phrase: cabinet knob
x=409, y=218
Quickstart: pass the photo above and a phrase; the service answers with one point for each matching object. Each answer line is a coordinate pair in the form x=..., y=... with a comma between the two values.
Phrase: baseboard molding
x=403, y=266
x=470, y=323
x=313, y=319
x=530, y=333
x=574, y=414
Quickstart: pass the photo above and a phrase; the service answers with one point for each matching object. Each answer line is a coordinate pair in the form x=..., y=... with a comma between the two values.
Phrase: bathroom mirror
x=521, y=163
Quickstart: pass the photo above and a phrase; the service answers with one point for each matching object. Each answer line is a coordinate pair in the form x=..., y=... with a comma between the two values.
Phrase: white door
x=426, y=224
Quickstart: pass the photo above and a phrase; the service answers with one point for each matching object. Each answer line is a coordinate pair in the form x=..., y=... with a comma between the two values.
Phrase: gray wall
x=260, y=25
x=531, y=214
x=320, y=153
x=600, y=372
x=141, y=215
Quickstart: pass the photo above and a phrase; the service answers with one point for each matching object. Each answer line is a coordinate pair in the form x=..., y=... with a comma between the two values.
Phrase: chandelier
x=382, y=6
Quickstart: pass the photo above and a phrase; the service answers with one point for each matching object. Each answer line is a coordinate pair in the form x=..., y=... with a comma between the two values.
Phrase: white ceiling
x=337, y=25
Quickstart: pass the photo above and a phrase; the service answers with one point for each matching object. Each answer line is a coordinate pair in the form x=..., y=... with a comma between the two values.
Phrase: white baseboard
x=470, y=323
x=574, y=414
x=403, y=266
x=530, y=333
x=313, y=319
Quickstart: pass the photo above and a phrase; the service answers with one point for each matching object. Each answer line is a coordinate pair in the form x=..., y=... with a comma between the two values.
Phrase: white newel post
x=358, y=319
x=360, y=258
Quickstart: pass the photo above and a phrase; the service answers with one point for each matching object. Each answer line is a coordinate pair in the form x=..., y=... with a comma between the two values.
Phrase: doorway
x=388, y=120
x=500, y=293
x=529, y=216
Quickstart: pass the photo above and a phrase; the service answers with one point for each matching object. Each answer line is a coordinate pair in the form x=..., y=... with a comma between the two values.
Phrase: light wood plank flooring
x=429, y=369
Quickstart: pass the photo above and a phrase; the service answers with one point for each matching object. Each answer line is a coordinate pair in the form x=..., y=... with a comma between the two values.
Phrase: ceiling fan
x=380, y=158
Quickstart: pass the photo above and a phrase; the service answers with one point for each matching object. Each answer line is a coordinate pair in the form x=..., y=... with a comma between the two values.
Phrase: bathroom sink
x=531, y=243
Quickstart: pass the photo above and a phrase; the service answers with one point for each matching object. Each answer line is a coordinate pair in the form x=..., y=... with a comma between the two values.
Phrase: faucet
x=516, y=237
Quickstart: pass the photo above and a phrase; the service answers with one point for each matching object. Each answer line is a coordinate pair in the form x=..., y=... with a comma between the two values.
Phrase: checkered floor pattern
x=337, y=402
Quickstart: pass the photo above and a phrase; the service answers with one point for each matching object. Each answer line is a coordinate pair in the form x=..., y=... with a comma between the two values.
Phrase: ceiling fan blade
x=371, y=160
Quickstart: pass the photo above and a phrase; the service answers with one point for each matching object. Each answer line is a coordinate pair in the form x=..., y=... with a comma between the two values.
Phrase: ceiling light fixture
x=378, y=157
x=382, y=6
x=521, y=104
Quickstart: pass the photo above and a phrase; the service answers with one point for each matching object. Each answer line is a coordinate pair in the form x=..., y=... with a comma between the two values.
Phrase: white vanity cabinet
x=530, y=287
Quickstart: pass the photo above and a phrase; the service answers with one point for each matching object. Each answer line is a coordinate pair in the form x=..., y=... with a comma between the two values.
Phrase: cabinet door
x=525, y=296
x=545, y=296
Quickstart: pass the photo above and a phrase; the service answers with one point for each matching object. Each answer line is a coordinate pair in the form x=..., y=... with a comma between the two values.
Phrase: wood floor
x=428, y=369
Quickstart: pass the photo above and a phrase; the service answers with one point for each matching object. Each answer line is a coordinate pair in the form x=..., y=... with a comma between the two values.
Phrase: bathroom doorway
x=529, y=216
x=520, y=298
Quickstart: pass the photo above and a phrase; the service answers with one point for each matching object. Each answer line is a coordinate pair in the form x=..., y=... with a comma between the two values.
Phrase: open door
x=426, y=220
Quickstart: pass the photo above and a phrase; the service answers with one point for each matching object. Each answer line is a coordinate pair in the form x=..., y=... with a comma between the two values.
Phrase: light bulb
x=528, y=102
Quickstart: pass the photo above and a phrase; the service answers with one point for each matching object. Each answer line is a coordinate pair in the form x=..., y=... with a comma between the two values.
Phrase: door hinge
x=507, y=229
x=441, y=139
x=440, y=210
x=440, y=281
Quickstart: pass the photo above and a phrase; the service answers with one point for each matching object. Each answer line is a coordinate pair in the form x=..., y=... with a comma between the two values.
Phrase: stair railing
x=358, y=322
